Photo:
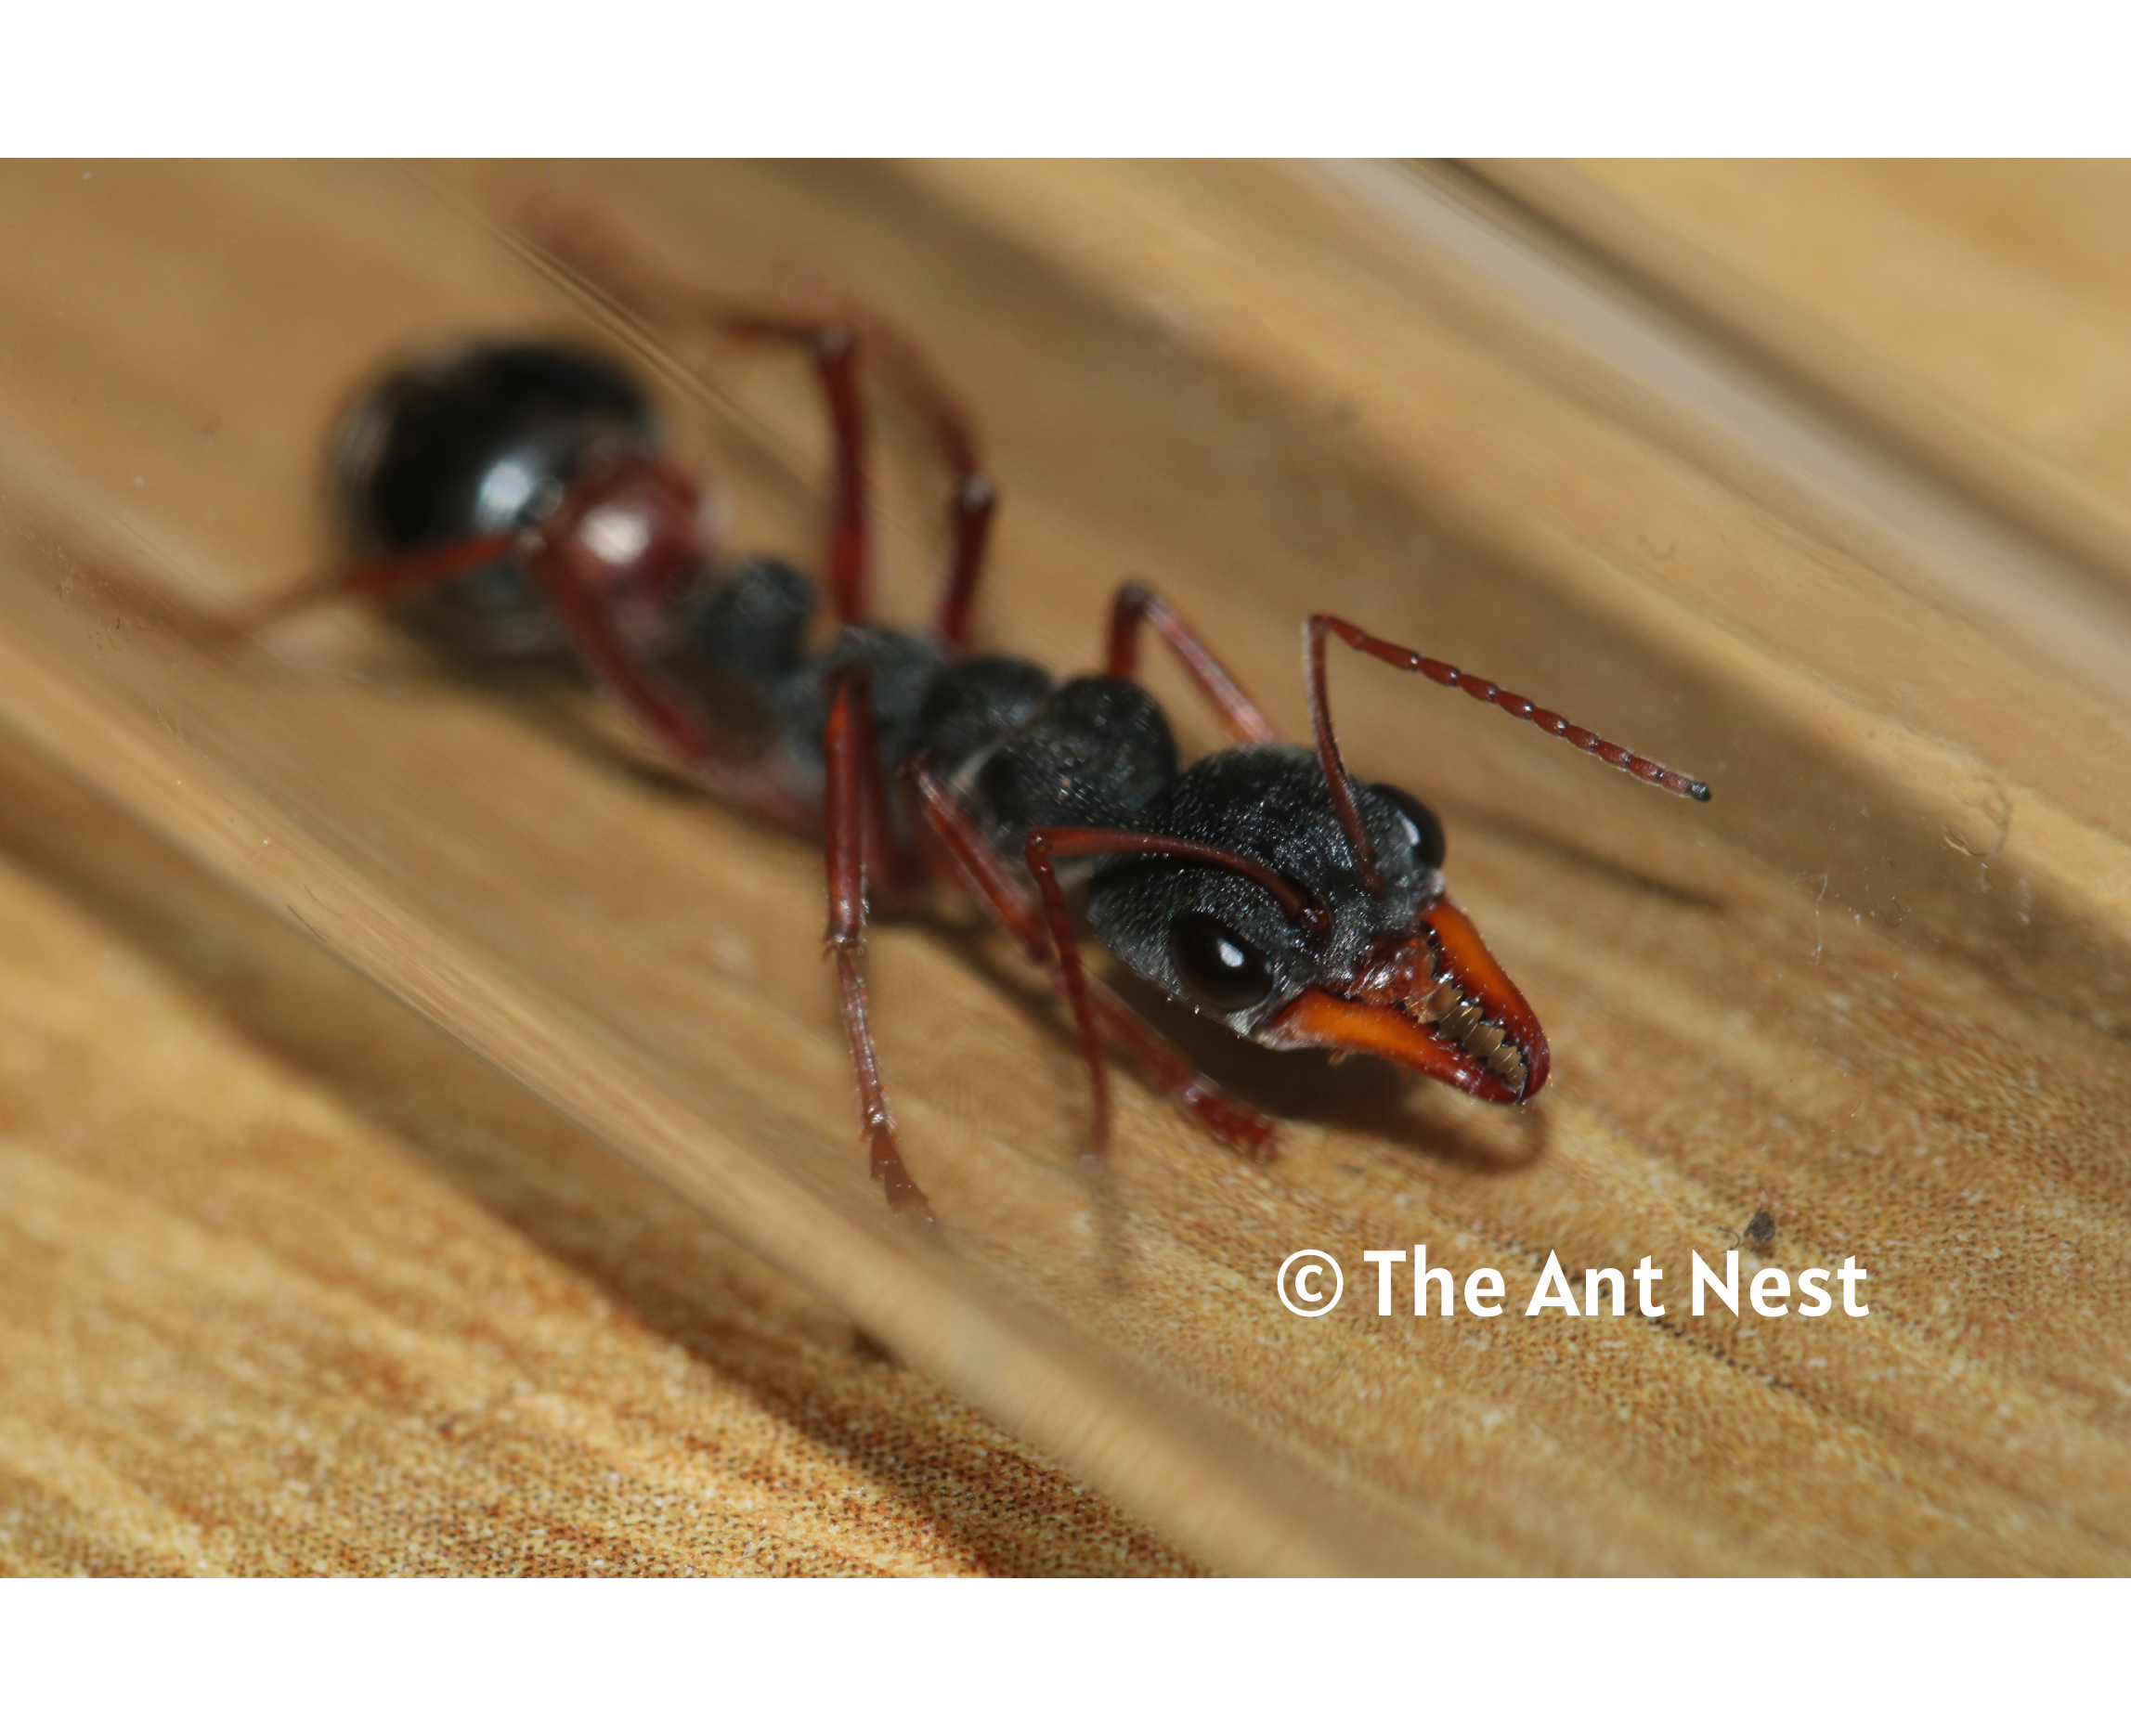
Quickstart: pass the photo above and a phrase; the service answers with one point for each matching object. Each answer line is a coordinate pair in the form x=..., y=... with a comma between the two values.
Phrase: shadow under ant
x=1362, y=1094
x=550, y=696
x=1359, y=1094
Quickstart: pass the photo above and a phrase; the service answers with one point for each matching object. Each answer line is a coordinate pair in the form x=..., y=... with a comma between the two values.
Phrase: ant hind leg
x=382, y=579
x=1137, y=603
x=847, y=561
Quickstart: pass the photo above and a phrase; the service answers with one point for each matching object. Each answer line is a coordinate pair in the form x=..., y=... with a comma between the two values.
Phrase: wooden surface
x=297, y=1284
x=1876, y=989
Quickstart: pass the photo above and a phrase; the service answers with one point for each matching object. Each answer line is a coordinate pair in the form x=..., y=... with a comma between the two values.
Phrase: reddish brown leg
x=660, y=710
x=969, y=510
x=1045, y=842
x=903, y=872
x=598, y=256
x=1137, y=603
x=848, y=752
x=1516, y=704
x=386, y=576
x=600, y=259
x=972, y=500
x=993, y=880
x=847, y=562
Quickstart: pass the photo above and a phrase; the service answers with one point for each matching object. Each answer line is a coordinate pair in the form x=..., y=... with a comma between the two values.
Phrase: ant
x=519, y=493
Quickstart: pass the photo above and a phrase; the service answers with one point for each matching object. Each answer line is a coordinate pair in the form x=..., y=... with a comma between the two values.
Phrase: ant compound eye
x=1424, y=831
x=1225, y=972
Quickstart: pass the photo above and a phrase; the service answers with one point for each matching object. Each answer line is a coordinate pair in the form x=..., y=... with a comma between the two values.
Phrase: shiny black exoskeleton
x=480, y=439
x=515, y=496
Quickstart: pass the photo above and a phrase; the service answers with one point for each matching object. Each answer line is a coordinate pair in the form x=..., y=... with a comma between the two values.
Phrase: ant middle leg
x=850, y=816
x=1137, y=603
x=993, y=880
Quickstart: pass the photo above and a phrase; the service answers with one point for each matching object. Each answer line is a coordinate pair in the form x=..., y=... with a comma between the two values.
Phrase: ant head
x=1393, y=968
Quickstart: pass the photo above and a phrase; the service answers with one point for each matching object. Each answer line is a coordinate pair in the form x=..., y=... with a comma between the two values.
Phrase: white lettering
x=1553, y=1289
x=1382, y=1259
x=1727, y=1291
x=1482, y=1291
x=1426, y=1274
x=1768, y=1284
x=1645, y=1275
x=1812, y=1282
x=1849, y=1278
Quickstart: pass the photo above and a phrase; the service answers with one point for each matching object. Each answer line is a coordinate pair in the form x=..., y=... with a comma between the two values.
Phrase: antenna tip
x=1700, y=792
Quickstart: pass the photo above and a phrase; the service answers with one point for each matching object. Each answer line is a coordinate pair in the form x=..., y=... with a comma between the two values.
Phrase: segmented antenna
x=1448, y=674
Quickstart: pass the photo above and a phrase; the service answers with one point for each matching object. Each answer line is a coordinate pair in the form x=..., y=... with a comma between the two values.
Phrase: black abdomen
x=481, y=439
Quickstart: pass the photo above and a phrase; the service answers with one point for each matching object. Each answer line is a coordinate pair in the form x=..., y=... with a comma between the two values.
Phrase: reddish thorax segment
x=623, y=541
x=630, y=531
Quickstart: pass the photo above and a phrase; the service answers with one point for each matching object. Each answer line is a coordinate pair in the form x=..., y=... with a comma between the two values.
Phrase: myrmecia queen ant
x=516, y=495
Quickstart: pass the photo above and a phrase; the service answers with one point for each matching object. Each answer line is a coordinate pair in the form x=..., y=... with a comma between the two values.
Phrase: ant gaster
x=517, y=495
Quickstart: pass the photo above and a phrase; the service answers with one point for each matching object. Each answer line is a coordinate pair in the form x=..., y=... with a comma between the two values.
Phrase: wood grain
x=297, y=1284
x=1876, y=987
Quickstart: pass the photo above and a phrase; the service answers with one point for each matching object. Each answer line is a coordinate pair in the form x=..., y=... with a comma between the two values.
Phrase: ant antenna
x=1516, y=704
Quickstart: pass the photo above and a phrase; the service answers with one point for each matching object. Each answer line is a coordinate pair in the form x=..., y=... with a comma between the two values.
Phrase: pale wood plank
x=1816, y=995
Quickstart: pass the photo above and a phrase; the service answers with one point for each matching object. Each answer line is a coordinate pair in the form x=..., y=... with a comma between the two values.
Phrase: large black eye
x=1223, y=970
x=1428, y=839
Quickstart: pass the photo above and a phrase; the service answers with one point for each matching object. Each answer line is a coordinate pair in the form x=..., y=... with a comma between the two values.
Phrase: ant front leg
x=1137, y=603
x=994, y=883
x=854, y=766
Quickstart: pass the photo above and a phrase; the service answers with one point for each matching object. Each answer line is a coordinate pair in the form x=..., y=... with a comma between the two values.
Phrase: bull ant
x=519, y=493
